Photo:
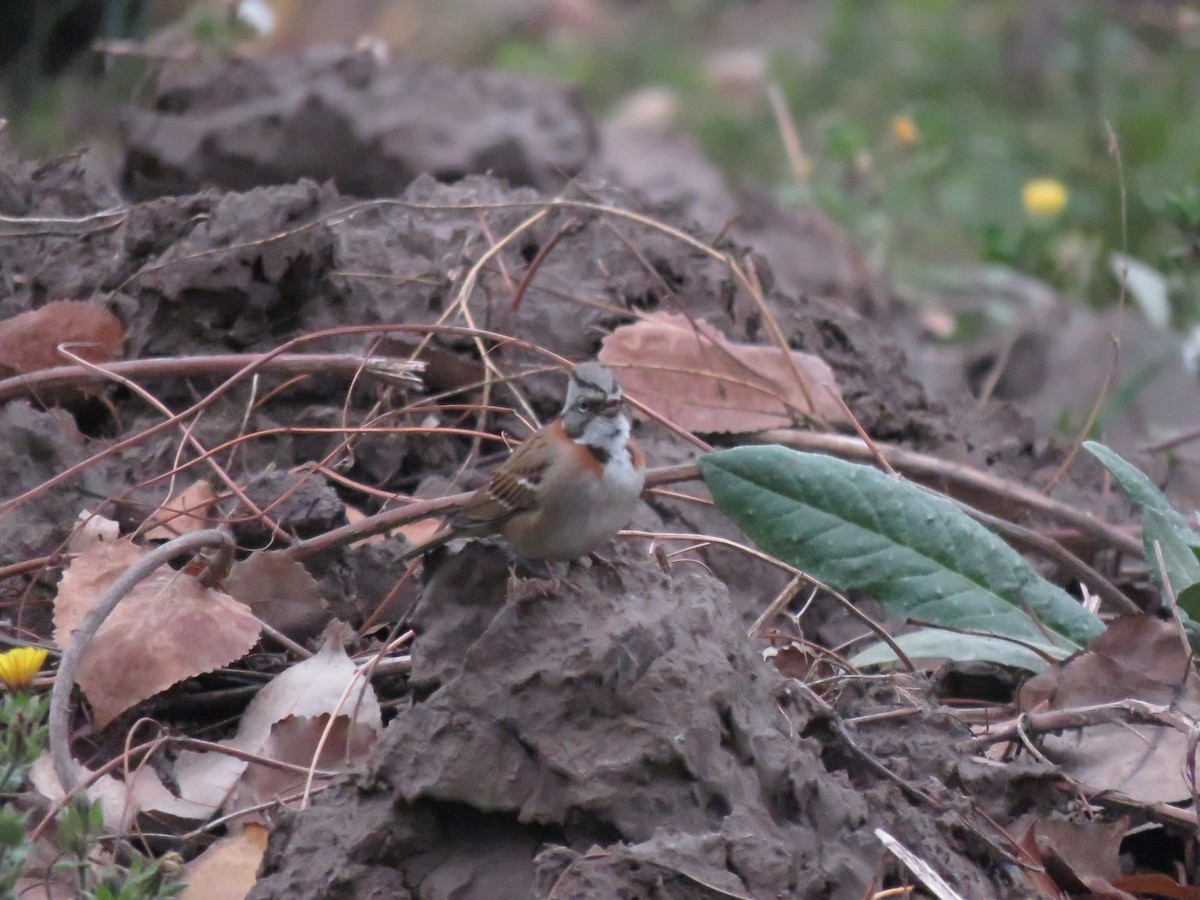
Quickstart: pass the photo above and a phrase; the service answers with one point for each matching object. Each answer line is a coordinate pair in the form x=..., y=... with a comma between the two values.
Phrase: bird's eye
x=585, y=405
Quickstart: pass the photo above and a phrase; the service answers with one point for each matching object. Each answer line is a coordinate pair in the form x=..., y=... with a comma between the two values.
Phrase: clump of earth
x=622, y=736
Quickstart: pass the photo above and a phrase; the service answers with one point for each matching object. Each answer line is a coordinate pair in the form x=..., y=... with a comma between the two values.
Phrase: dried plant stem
x=33, y=383
x=1053, y=720
x=249, y=367
x=424, y=509
x=64, y=679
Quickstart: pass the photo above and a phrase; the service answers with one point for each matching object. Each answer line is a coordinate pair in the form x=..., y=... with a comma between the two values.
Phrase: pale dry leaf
x=308, y=690
x=279, y=590
x=312, y=688
x=355, y=515
x=189, y=510
x=91, y=528
x=205, y=782
x=420, y=531
x=120, y=801
x=168, y=628
x=696, y=377
x=110, y=793
x=229, y=868
x=29, y=340
x=295, y=740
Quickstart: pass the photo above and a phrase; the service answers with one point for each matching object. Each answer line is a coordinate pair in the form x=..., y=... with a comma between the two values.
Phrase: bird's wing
x=512, y=488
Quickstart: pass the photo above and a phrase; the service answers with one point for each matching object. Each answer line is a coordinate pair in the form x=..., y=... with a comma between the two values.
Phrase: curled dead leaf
x=303, y=696
x=1138, y=657
x=706, y=383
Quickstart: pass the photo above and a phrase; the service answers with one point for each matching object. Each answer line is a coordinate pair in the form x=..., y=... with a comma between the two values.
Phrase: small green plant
x=80, y=831
x=14, y=848
x=1165, y=536
x=81, y=828
x=22, y=736
x=22, y=739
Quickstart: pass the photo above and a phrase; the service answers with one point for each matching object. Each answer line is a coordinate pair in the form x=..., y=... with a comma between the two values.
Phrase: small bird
x=569, y=487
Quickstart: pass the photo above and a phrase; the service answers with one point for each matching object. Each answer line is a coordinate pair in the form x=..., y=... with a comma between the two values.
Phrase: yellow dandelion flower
x=904, y=130
x=1044, y=197
x=19, y=665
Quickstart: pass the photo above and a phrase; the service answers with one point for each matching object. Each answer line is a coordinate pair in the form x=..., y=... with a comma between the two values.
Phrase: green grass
x=1000, y=93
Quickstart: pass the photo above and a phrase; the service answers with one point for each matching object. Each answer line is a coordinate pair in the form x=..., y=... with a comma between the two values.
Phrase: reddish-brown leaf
x=29, y=340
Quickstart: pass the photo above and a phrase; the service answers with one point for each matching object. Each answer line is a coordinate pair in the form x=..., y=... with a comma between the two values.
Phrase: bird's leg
x=552, y=579
x=611, y=568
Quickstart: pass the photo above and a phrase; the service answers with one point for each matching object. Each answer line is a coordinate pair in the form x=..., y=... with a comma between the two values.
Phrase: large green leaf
x=927, y=644
x=915, y=552
x=1161, y=524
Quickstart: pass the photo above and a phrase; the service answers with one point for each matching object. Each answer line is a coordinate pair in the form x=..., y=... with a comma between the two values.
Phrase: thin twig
x=32, y=383
x=1048, y=721
x=1081, y=436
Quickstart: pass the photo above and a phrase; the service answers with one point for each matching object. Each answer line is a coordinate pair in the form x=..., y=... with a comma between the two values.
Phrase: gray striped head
x=593, y=397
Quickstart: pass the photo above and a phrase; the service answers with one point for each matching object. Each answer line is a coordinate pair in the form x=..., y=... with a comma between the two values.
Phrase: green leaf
x=1189, y=601
x=934, y=644
x=915, y=552
x=1160, y=523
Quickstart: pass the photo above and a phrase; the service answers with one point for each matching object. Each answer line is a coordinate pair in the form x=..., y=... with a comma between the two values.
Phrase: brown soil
x=617, y=738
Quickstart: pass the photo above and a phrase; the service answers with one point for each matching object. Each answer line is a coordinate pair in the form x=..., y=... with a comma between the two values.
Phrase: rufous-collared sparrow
x=569, y=487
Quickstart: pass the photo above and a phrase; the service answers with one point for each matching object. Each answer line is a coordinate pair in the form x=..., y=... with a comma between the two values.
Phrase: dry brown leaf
x=795, y=660
x=309, y=690
x=229, y=868
x=1137, y=657
x=708, y=384
x=29, y=340
x=1076, y=854
x=280, y=592
x=295, y=740
x=189, y=510
x=170, y=627
x=1156, y=884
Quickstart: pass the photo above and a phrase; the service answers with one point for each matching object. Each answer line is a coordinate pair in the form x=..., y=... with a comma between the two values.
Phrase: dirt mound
x=368, y=122
x=617, y=738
